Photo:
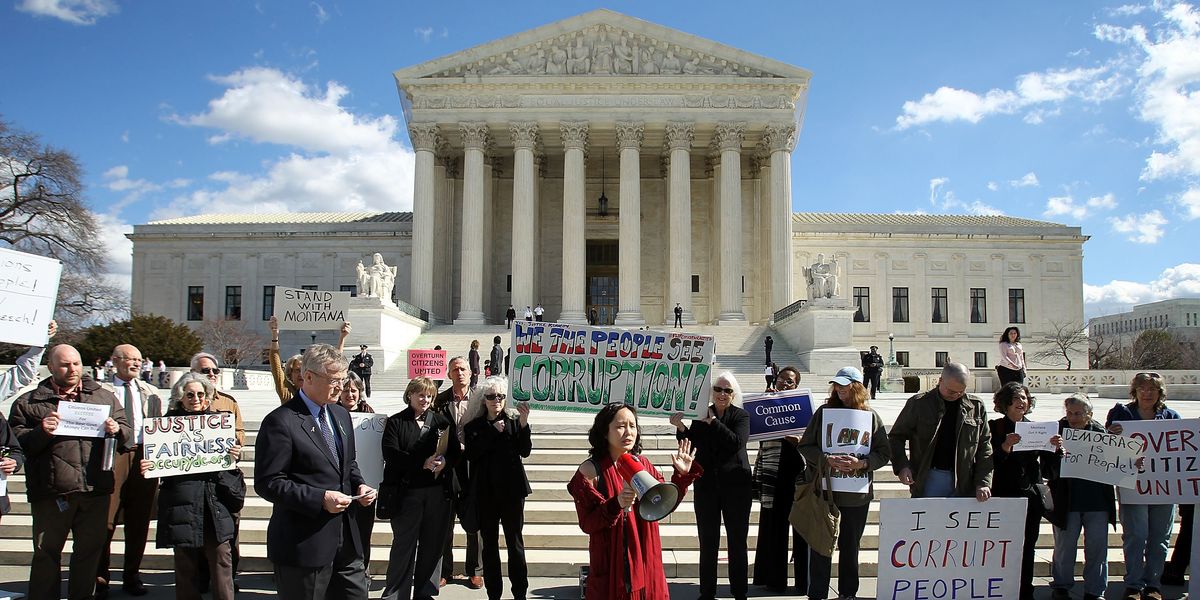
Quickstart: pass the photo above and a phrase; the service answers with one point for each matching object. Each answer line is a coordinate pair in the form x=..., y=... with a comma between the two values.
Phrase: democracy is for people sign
x=310, y=309
x=196, y=443
x=1171, y=472
x=778, y=414
x=579, y=368
x=950, y=548
x=1101, y=456
x=28, y=292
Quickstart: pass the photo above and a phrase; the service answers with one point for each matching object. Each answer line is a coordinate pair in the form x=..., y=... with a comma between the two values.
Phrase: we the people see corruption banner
x=579, y=368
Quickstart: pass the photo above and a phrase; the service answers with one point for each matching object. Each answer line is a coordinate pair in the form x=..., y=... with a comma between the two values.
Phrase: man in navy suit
x=304, y=465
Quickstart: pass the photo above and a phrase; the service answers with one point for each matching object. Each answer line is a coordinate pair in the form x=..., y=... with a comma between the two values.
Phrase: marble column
x=470, y=309
x=524, y=219
x=574, y=257
x=629, y=201
x=781, y=140
x=729, y=140
x=425, y=139
x=679, y=233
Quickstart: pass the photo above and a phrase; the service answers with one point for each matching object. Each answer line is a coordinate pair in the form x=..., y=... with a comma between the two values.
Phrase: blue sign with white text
x=775, y=415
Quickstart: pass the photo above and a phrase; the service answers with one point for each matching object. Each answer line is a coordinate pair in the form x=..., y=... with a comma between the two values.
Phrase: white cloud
x=345, y=161
x=321, y=15
x=423, y=33
x=936, y=184
x=118, y=249
x=79, y=12
x=947, y=202
x=1146, y=228
x=993, y=186
x=1105, y=202
x=1066, y=205
x=1039, y=91
x=1028, y=180
x=1180, y=281
x=1190, y=202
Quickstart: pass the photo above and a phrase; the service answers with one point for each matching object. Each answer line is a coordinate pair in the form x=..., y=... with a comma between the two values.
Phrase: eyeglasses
x=494, y=397
x=338, y=382
x=722, y=390
x=209, y=371
x=197, y=395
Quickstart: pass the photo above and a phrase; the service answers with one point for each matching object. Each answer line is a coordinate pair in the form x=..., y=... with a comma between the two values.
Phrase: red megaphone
x=656, y=499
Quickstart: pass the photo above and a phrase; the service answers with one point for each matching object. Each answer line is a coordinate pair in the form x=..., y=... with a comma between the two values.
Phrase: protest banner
x=427, y=363
x=310, y=309
x=1101, y=456
x=580, y=368
x=1035, y=435
x=196, y=443
x=950, y=548
x=773, y=416
x=1171, y=472
x=28, y=292
x=848, y=431
x=82, y=419
x=1193, y=581
x=368, y=446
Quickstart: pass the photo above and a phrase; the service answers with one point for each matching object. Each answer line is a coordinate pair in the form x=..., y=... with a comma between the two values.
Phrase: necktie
x=327, y=433
x=130, y=402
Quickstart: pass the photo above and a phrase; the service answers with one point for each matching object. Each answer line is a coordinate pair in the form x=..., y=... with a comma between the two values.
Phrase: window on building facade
x=978, y=305
x=902, y=358
x=940, y=312
x=940, y=359
x=695, y=284
x=508, y=283
x=899, y=305
x=195, y=303
x=1016, y=305
x=981, y=359
x=862, y=305
x=353, y=289
x=233, y=303
x=268, y=307
x=308, y=287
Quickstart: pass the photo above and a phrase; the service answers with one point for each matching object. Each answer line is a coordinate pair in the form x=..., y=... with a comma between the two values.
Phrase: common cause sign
x=778, y=414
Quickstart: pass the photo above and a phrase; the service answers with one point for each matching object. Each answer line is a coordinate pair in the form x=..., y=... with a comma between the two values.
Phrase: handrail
x=412, y=310
x=789, y=310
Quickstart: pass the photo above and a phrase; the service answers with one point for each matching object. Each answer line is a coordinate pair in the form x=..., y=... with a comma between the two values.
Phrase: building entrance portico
x=603, y=279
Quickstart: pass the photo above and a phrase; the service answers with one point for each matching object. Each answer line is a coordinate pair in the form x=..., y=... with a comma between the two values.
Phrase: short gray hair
x=210, y=392
x=1081, y=399
x=202, y=355
x=490, y=385
x=733, y=384
x=958, y=372
x=320, y=357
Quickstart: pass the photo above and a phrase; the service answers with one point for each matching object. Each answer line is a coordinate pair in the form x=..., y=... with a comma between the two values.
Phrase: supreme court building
x=610, y=163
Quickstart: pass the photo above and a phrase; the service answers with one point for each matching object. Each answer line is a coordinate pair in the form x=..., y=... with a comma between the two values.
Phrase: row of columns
x=779, y=140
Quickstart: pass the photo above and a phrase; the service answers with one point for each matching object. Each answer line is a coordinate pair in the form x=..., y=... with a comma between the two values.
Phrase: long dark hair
x=1004, y=336
x=598, y=434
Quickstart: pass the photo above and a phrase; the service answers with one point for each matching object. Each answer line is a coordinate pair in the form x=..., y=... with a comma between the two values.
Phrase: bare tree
x=1104, y=350
x=1061, y=342
x=1156, y=349
x=231, y=341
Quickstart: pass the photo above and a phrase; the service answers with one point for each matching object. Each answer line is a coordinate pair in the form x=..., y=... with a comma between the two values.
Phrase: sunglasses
x=1148, y=375
x=210, y=371
x=193, y=394
x=723, y=390
x=494, y=397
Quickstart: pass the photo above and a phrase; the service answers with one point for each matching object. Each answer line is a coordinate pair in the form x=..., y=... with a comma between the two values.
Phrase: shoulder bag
x=814, y=515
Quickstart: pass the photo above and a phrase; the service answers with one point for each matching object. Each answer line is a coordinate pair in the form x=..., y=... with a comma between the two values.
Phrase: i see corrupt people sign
x=578, y=368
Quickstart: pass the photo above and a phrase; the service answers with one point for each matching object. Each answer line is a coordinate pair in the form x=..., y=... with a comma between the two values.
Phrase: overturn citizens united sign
x=578, y=368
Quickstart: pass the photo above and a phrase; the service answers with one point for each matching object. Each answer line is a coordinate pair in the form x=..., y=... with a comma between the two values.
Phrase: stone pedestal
x=385, y=329
x=821, y=333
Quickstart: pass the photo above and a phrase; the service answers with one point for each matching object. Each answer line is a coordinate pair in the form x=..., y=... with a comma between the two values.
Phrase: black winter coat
x=186, y=501
x=495, y=458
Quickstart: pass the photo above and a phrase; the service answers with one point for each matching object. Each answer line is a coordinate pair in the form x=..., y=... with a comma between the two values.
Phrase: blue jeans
x=1145, y=537
x=1094, y=525
x=938, y=484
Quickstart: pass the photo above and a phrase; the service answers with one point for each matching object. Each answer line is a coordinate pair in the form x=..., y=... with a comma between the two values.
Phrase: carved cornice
x=574, y=134
x=780, y=137
x=757, y=163
x=680, y=135
x=570, y=97
x=729, y=135
x=524, y=134
x=630, y=134
x=475, y=135
x=425, y=136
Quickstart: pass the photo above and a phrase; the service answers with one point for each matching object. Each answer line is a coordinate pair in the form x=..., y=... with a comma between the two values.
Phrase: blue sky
x=1080, y=113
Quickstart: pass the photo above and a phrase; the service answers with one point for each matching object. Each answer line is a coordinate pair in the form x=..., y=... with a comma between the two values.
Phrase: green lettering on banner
x=578, y=385
x=658, y=391
x=561, y=377
x=698, y=375
x=541, y=379
x=646, y=376
x=597, y=392
x=521, y=364
x=677, y=386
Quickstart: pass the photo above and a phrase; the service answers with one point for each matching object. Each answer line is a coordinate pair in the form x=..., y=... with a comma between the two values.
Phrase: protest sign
x=1101, y=456
x=1193, y=581
x=580, y=368
x=427, y=363
x=1035, y=435
x=28, y=291
x=773, y=416
x=368, y=446
x=196, y=443
x=1171, y=472
x=310, y=309
x=950, y=548
x=848, y=431
x=82, y=419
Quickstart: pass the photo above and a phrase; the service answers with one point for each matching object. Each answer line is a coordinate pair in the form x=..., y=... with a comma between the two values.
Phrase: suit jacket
x=293, y=469
x=406, y=447
x=152, y=406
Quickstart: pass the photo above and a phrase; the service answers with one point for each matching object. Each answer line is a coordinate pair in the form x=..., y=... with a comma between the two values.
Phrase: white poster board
x=183, y=444
x=28, y=293
x=1171, y=473
x=368, y=445
x=950, y=548
x=310, y=309
x=1035, y=435
x=1194, y=580
x=1101, y=456
x=82, y=419
x=848, y=431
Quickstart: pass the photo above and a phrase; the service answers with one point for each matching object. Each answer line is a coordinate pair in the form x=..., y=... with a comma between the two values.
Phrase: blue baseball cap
x=847, y=374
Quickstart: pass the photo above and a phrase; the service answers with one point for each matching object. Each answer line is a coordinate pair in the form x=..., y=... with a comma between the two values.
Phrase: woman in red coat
x=625, y=553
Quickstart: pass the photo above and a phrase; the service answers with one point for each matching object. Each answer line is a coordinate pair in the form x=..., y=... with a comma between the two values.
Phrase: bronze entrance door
x=602, y=279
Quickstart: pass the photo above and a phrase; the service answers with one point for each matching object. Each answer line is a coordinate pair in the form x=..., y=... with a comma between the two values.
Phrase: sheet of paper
x=81, y=419
x=1035, y=435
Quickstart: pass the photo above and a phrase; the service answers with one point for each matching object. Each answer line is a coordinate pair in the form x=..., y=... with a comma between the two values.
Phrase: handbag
x=1042, y=492
x=814, y=515
x=468, y=507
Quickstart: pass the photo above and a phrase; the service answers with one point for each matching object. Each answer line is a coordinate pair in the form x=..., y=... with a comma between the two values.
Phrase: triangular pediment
x=602, y=43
